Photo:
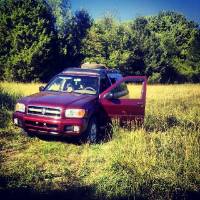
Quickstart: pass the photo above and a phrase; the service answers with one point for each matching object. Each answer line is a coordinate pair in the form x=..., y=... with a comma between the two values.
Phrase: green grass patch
x=159, y=160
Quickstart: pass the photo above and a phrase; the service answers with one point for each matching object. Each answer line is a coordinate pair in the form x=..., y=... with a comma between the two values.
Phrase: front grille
x=44, y=111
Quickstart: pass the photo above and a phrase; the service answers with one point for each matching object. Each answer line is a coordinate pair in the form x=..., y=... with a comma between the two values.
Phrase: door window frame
x=143, y=92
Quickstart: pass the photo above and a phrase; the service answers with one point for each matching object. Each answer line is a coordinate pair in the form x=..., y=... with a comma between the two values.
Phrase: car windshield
x=75, y=84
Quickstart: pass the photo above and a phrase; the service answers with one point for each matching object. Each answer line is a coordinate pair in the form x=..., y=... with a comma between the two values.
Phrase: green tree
x=26, y=39
x=63, y=14
x=175, y=39
x=99, y=41
x=71, y=29
x=81, y=23
x=165, y=46
x=111, y=43
x=165, y=41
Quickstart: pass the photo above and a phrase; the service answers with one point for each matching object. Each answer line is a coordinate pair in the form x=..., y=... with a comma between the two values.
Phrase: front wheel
x=28, y=133
x=92, y=131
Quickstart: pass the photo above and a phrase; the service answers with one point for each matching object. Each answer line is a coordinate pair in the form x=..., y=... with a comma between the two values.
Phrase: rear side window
x=130, y=89
x=114, y=77
x=104, y=84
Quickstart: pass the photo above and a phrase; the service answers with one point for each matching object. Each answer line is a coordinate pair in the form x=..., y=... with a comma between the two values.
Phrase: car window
x=56, y=85
x=104, y=84
x=128, y=90
x=74, y=83
x=114, y=77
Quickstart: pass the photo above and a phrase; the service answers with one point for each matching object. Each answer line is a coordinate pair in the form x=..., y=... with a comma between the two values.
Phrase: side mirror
x=116, y=95
x=109, y=95
x=41, y=88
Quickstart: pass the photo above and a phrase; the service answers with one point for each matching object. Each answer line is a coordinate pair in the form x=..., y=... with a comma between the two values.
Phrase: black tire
x=92, y=131
x=28, y=133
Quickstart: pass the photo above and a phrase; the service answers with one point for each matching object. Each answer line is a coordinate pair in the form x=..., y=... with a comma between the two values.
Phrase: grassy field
x=158, y=161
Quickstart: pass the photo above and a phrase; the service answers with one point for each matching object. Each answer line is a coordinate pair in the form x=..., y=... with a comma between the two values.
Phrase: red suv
x=80, y=102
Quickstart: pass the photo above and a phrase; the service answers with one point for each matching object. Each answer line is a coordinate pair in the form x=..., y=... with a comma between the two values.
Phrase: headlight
x=20, y=107
x=75, y=113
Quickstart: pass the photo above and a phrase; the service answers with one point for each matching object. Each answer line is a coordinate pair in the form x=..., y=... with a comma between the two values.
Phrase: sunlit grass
x=134, y=91
x=157, y=161
x=20, y=88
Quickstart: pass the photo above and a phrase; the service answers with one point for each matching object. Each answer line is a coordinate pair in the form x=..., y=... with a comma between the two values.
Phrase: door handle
x=140, y=104
x=124, y=112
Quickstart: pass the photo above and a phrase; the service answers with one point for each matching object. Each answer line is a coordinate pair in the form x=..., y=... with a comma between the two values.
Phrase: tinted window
x=76, y=84
x=131, y=89
x=114, y=77
x=104, y=84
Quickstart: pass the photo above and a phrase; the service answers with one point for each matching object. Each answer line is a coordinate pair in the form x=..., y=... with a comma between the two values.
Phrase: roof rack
x=93, y=66
x=94, y=71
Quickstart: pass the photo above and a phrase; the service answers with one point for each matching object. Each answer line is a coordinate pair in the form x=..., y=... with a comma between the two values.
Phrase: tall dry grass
x=159, y=160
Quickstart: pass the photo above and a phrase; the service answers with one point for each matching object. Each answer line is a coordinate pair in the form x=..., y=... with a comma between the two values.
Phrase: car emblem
x=43, y=111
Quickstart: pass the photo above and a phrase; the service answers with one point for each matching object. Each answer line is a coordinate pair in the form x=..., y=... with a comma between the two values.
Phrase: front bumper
x=46, y=125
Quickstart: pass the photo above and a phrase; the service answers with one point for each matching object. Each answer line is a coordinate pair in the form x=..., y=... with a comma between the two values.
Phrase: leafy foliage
x=27, y=39
x=166, y=45
x=40, y=38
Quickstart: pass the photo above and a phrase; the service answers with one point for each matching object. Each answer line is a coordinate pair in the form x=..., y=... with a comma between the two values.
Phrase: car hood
x=59, y=99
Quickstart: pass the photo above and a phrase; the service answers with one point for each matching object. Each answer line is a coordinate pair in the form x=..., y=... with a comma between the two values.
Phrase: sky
x=129, y=9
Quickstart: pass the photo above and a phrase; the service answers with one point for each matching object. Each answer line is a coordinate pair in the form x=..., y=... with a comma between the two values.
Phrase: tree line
x=39, y=38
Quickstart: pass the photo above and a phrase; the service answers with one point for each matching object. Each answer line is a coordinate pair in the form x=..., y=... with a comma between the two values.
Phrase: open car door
x=125, y=100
